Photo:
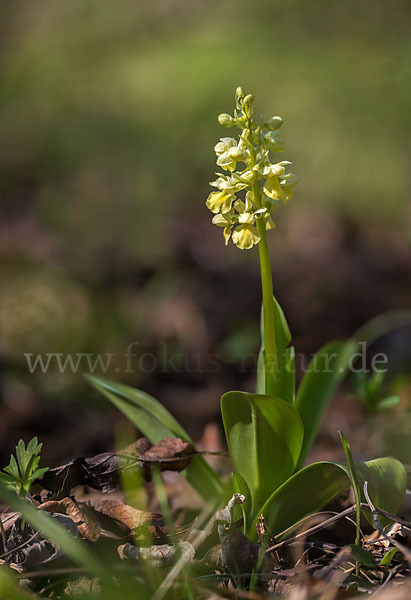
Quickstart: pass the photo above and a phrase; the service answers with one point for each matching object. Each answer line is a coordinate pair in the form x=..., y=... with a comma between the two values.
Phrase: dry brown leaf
x=8, y=519
x=132, y=517
x=172, y=454
x=88, y=526
x=102, y=471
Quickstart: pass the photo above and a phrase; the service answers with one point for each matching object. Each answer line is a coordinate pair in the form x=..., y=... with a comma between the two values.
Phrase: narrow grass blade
x=154, y=420
x=10, y=588
x=357, y=495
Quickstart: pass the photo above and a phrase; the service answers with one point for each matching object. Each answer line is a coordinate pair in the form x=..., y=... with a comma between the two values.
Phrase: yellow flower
x=245, y=217
x=219, y=202
x=272, y=189
x=265, y=184
x=273, y=170
x=222, y=149
x=287, y=183
x=245, y=236
x=225, y=221
x=227, y=184
x=227, y=234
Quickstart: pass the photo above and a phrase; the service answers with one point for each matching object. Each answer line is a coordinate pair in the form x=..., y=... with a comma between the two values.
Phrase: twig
x=314, y=529
x=391, y=517
x=141, y=459
x=21, y=545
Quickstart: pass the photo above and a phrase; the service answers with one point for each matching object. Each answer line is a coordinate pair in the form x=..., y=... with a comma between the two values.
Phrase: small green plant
x=370, y=391
x=268, y=433
x=20, y=474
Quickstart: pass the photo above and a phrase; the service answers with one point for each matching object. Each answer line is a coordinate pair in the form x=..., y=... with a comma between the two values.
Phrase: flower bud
x=274, y=141
x=226, y=120
x=248, y=105
x=274, y=123
x=290, y=179
x=239, y=98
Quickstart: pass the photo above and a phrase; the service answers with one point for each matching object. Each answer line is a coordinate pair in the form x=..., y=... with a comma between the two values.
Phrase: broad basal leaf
x=264, y=436
x=310, y=489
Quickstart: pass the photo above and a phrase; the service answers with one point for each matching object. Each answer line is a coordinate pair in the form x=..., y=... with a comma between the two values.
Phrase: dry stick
x=142, y=458
x=403, y=549
x=71, y=571
x=21, y=545
x=3, y=534
x=391, y=517
x=307, y=532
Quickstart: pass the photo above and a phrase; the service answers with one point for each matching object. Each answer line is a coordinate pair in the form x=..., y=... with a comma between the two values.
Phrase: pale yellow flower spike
x=246, y=161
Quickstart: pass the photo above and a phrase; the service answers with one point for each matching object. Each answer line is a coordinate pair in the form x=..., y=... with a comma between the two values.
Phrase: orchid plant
x=268, y=433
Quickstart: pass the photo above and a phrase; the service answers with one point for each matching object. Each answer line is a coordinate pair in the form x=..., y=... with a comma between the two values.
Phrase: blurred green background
x=107, y=127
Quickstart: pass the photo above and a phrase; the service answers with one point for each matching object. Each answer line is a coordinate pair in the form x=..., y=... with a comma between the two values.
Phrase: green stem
x=268, y=303
x=266, y=277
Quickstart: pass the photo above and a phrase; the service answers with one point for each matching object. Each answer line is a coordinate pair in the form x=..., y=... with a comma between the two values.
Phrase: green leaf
x=388, y=402
x=383, y=324
x=11, y=476
x=327, y=369
x=281, y=383
x=22, y=457
x=264, y=436
x=320, y=382
x=363, y=556
x=12, y=468
x=150, y=417
x=52, y=530
x=33, y=447
x=387, y=482
x=38, y=473
x=356, y=489
x=240, y=487
x=260, y=388
x=387, y=558
x=306, y=492
x=147, y=413
x=310, y=489
x=7, y=480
